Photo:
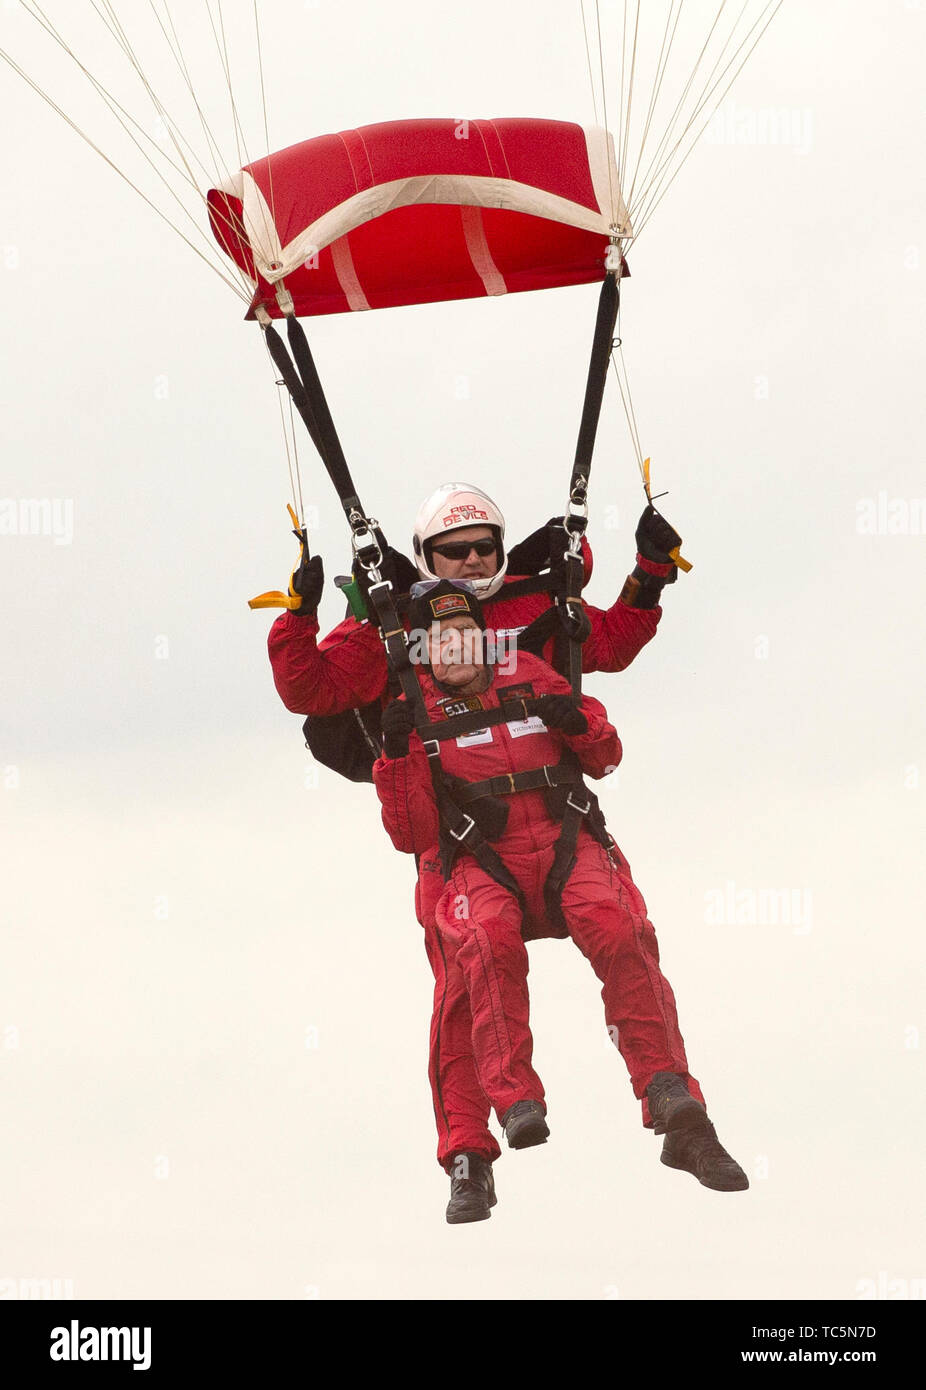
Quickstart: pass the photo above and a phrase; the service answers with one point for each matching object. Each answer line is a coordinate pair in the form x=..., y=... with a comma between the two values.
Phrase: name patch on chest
x=463, y=704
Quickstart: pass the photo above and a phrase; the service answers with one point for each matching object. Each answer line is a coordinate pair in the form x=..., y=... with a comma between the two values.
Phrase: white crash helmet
x=451, y=507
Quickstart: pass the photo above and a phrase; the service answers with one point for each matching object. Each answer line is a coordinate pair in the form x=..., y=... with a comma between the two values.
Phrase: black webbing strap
x=461, y=832
x=284, y=365
x=457, y=725
x=608, y=304
x=569, y=570
x=574, y=621
x=331, y=451
x=532, y=779
x=304, y=385
x=567, y=565
x=536, y=635
x=578, y=805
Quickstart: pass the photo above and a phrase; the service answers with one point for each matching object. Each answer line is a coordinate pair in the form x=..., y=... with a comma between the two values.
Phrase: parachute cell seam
x=357, y=188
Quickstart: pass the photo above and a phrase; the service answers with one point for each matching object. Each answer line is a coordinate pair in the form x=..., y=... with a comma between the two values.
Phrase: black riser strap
x=608, y=303
x=284, y=365
x=333, y=454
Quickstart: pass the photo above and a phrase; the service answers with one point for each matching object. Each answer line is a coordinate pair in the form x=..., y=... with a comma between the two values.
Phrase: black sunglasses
x=459, y=550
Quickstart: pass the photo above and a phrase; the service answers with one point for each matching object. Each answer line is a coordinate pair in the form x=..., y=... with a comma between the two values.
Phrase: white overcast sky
x=213, y=994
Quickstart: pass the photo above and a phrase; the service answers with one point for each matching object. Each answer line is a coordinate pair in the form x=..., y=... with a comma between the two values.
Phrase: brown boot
x=697, y=1150
x=472, y=1189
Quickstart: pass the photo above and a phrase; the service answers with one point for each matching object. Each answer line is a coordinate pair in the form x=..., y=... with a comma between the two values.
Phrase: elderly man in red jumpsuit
x=459, y=534
x=482, y=923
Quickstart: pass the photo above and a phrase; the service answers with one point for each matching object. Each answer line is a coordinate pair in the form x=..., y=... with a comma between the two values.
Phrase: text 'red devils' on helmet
x=451, y=507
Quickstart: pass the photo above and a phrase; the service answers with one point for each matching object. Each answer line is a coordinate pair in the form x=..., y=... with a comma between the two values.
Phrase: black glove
x=398, y=722
x=307, y=580
x=532, y=555
x=561, y=712
x=655, y=537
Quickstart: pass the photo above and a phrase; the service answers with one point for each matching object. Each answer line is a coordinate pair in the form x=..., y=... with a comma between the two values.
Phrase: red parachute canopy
x=407, y=212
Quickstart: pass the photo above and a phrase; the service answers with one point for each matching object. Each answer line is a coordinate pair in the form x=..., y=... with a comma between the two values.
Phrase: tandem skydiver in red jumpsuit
x=482, y=922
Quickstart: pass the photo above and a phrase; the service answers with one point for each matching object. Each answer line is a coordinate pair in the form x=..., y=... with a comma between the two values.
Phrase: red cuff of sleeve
x=652, y=567
x=587, y=560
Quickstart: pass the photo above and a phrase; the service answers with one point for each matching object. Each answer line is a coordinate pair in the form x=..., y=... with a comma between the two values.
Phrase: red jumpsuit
x=348, y=668
x=481, y=927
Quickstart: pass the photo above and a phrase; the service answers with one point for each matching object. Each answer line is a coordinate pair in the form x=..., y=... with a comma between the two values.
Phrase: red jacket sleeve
x=618, y=634
x=349, y=669
x=599, y=748
x=406, y=795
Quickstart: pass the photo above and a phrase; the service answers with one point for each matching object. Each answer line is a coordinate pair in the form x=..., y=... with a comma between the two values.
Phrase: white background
x=214, y=999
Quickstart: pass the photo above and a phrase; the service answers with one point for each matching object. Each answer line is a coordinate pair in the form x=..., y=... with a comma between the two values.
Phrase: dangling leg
x=466, y=1148
x=480, y=922
x=461, y=1107
x=607, y=919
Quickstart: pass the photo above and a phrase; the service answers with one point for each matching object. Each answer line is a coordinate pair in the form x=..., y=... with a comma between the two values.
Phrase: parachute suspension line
x=588, y=60
x=236, y=288
x=647, y=163
x=623, y=384
x=176, y=51
x=292, y=430
x=214, y=174
x=662, y=64
x=114, y=26
x=219, y=165
x=240, y=140
x=289, y=445
x=659, y=157
x=263, y=104
x=622, y=166
x=771, y=9
x=219, y=169
x=125, y=120
x=222, y=50
x=115, y=107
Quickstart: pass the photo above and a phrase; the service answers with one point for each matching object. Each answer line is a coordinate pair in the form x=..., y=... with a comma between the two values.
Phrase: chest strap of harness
x=531, y=779
x=456, y=725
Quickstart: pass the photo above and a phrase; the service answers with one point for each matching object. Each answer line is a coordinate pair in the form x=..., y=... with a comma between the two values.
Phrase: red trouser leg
x=461, y=1107
x=480, y=922
x=607, y=920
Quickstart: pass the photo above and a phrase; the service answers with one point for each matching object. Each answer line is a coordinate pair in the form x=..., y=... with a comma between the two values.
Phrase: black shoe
x=472, y=1189
x=700, y=1152
x=525, y=1124
x=671, y=1107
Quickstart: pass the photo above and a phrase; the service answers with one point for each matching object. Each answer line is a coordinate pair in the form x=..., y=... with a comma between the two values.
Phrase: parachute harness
x=567, y=620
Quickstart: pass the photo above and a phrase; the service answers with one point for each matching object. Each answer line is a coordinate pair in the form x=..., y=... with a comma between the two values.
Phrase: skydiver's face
x=456, y=656
x=471, y=565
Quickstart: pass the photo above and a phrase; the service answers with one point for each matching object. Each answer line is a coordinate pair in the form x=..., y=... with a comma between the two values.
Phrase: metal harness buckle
x=470, y=825
x=429, y=744
x=583, y=810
